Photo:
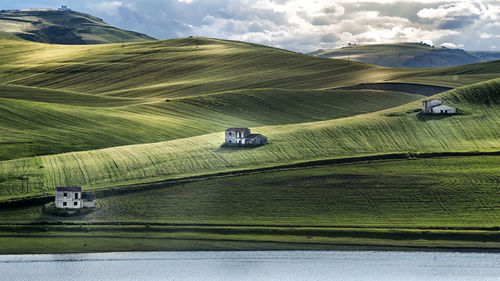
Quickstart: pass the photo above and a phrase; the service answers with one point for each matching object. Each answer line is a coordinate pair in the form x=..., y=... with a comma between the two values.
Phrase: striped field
x=106, y=116
x=399, y=129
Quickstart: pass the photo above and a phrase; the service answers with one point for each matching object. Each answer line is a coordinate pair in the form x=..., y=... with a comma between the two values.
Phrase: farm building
x=72, y=197
x=436, y=106
x=64, y=8
x=88, y=200
x=242, y=136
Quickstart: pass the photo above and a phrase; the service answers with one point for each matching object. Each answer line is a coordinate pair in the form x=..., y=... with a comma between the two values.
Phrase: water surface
x=244, y=265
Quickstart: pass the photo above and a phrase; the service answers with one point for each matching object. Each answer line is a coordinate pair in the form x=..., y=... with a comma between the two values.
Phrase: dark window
x=65, y=194
x=76, y=195
x=230, y=133
x=75, y=203
x=65, y=204
x=229, y=141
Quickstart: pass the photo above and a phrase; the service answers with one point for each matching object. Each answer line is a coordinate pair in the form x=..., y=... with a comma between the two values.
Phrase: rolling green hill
x=68, y=27
x=395, y=130
x=136, y=123
x=413, y=55
x=197, y=66
x=69, y=98
x=39, y=121
x=434, y=192
x=176, y=68
x=72, y=98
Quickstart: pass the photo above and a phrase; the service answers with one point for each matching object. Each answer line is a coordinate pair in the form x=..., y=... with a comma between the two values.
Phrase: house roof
x=69, y=188
x=442, y=106
x=237, y=129
x=88, y=196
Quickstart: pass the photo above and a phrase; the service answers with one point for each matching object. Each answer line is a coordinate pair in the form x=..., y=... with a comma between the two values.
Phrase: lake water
x=215, y=266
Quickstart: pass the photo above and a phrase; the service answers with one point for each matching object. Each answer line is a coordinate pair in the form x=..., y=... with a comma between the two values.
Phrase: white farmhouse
x=443, y=109
x=242, y=136
x=435, y=106
x=71, y=197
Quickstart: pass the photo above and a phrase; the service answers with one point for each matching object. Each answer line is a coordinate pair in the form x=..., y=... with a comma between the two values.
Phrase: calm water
x=214, y=266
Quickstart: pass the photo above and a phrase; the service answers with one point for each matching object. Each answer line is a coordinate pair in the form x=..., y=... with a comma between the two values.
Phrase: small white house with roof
x=72, y=197
x=243, y=136
x=435, y=106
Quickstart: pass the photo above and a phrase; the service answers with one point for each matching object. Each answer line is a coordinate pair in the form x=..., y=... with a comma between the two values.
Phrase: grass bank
x=88, y=238
x=448, y=203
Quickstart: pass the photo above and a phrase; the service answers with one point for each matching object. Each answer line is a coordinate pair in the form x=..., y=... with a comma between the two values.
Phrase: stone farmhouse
x=242, y=136
x=435, y=106
x=71, y=197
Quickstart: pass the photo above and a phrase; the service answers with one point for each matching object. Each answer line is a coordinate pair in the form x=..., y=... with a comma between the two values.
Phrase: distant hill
x=414, y=55
x=63, y=27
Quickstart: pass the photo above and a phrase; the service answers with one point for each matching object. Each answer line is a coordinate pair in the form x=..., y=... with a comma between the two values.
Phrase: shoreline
x=272, y=247
x=58, y=239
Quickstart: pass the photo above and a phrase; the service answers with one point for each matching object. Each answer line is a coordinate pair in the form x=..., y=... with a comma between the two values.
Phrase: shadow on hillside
x=229, y=148
x=427, y=117
x=410, y=88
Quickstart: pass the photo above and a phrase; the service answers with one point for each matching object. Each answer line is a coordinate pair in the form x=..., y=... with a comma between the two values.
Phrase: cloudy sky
x=300, y=25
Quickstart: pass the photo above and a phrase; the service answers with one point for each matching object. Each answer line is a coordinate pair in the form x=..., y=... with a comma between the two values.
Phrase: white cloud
x=309, y=25
x=488, y=35
x=109, y=8
x=306, y=26
x=451, y=45
x=460, y=9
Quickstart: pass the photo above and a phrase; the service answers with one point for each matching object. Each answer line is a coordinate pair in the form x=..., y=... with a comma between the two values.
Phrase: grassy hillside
x=413, y=55
x=178, y=67
x=70, y=98
x=195, y=66
x=39, y=121
x=69, y=27
x=399, y=129
x=153, y=111
x=437, y=203
x=439, y=192
x=455, y=76
x=43, y=83
x=222, y=83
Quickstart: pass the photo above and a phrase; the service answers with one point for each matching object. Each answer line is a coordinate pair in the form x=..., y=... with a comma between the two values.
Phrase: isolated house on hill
x=242, y=136
x=71, y=197
x=64, y=8
x=435, y=106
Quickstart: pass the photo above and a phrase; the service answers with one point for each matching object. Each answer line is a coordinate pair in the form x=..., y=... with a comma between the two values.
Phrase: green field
x=399, y=129
x=41, y=122
x=56, y=27
x=151, y=116
x=438, y=202
x=435, y=192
